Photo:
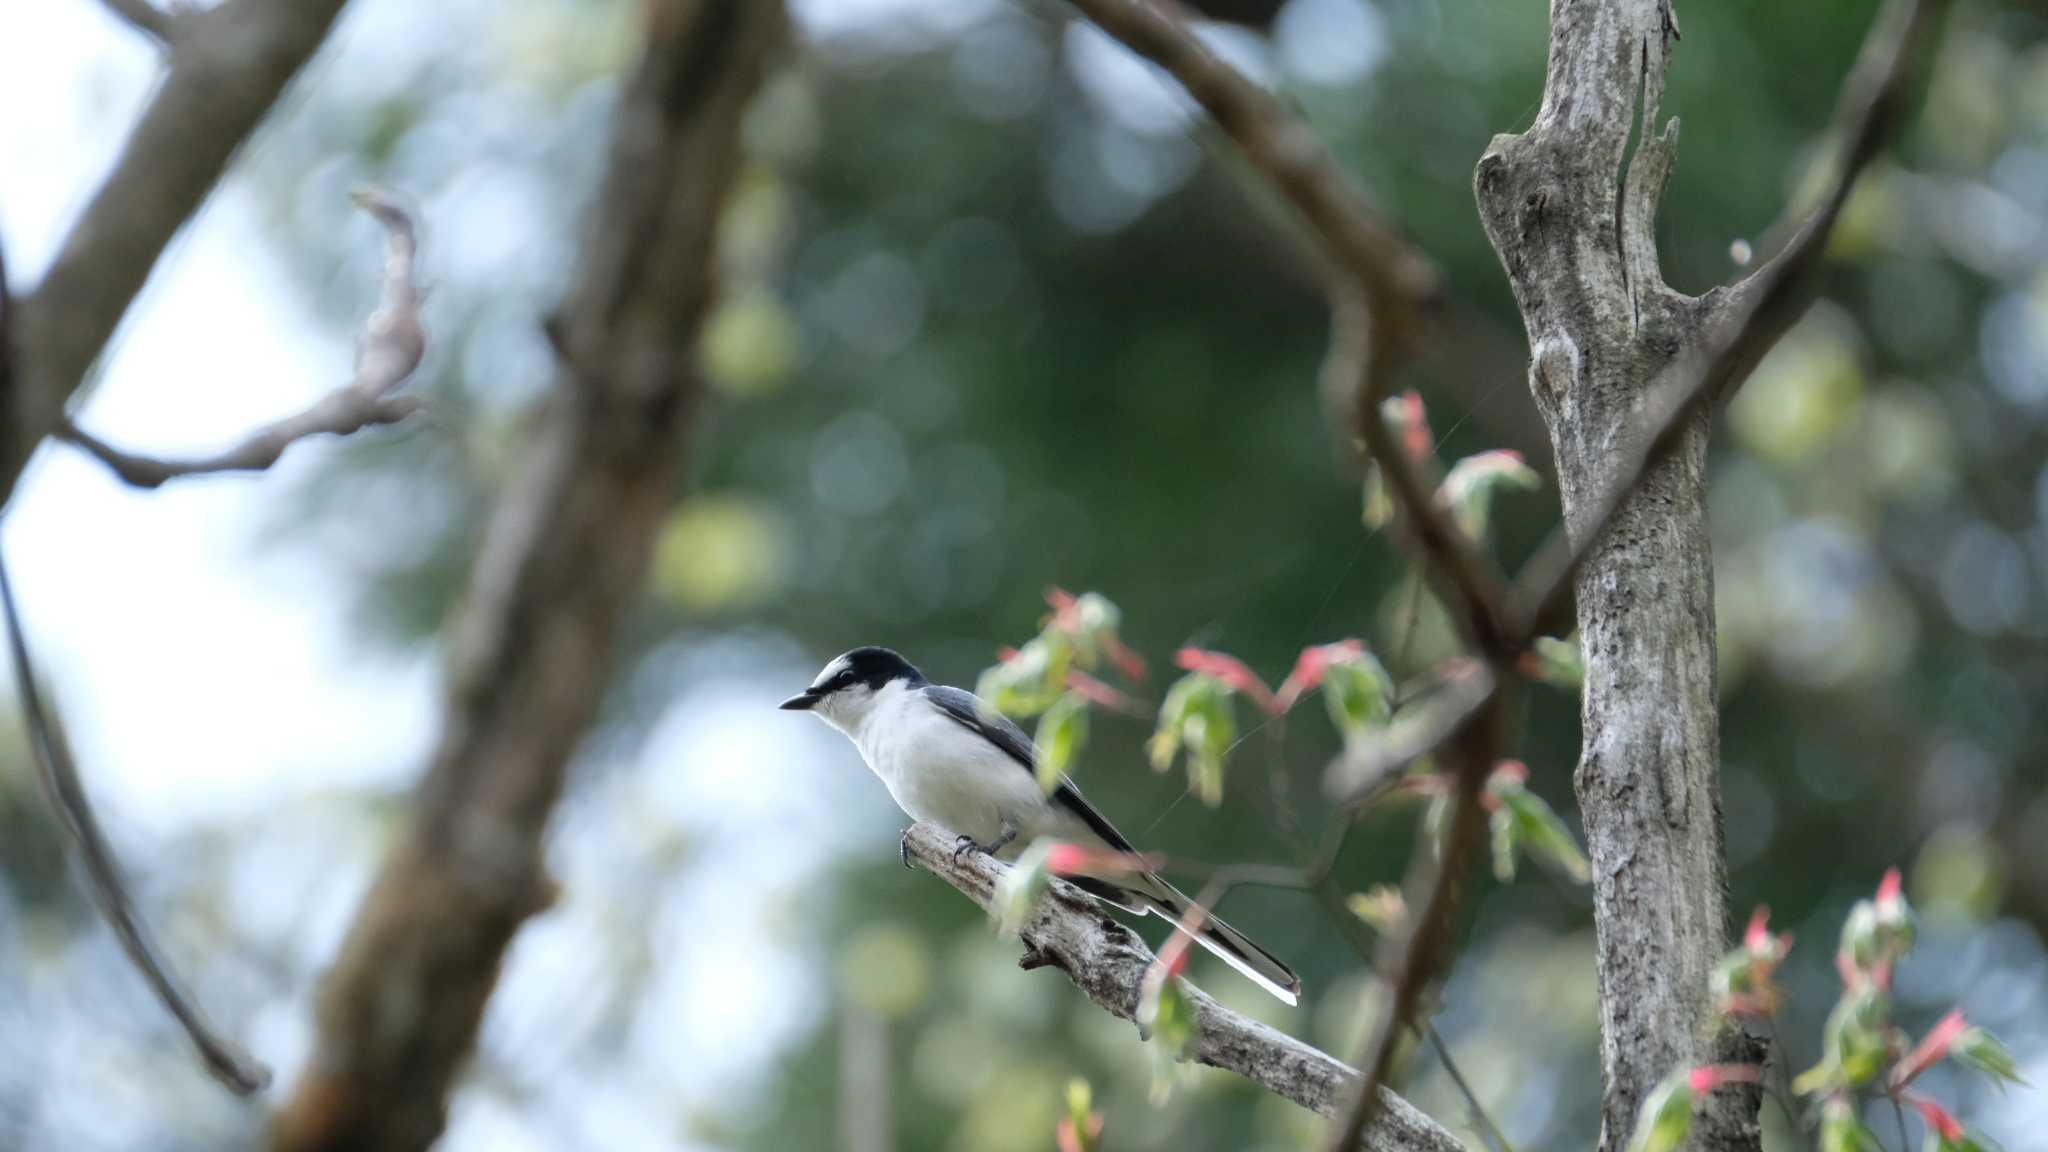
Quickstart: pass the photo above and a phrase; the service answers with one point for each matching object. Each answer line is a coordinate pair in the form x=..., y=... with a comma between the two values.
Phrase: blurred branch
x=339, y=413
x=58, y=773
x=144, y=17
x=564, y=558
x=386, y=355
x=1411, y=959
x=232, y=62
x=1382, y=282
x=1749, y=318
x=1108, y=962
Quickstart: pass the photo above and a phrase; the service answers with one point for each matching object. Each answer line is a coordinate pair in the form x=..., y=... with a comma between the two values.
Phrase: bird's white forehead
x=839, y=664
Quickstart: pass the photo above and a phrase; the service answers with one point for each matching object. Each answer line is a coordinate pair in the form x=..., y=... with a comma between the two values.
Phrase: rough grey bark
x=1107, y=962
x=564, y=558
x=1579, y=246
x=229, y=64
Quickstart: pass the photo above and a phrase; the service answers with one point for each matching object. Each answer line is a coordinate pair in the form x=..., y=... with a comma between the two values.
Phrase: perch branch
x=1107, y=962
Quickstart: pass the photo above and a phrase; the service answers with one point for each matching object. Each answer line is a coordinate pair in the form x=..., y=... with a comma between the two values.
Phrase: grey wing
x=993, y=726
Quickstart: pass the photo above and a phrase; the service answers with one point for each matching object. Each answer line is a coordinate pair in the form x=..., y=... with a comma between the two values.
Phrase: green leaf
x=1853, y=1044
x=1382, y=907
x=1020, y=889
x=1560, y=663
x=1358, y=692
x=1031, y=680
x=1540, y=831
x=1062, y=733
x=1503, y=825
x=1168, y=1018
x=1468, y=490
x=1666, y=1117
x=1984, y=1052
x=1841, y=1131
x=1197, y=716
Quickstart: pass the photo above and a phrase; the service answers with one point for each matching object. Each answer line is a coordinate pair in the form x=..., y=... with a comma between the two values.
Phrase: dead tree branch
x=563, y=559
x=1107, y=962
x=390, y=348
x=232, y=62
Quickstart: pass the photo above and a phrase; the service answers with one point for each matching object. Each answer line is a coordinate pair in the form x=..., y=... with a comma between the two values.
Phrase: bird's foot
x=962, y=845
x=903, y=846
x=1003, y=841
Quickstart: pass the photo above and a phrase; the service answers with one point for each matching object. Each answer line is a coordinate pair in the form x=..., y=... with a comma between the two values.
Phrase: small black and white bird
x=951, y=760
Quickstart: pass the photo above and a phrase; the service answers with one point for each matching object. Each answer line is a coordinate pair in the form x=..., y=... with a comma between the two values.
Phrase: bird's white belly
x=939, y=771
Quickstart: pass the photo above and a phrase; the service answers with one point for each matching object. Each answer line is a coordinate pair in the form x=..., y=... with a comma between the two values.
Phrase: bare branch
x=1411, y=961
x=563, y=560
x=390, y=348
x=145, y=18
x=58, y=774
x=1108, y=962
x=339, y=413
x=232, y=62
x=1751, y=317
x=1383, y=281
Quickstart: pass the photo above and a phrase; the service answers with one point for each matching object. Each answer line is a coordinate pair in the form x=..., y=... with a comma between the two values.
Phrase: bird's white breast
x=939, y=770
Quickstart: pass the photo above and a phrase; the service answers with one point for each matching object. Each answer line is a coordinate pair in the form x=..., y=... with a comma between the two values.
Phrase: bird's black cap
x=871, y=666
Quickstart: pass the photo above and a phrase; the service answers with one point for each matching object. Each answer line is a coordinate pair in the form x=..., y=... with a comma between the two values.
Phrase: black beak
x=803, y=701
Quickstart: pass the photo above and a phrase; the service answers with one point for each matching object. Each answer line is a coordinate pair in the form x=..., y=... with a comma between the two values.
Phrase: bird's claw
x=962, y=846
x=903, y=846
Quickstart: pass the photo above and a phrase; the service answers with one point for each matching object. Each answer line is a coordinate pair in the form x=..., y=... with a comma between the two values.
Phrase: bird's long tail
x=1228, y=944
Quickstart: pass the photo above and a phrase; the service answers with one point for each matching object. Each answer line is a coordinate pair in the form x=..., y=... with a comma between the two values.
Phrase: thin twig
x=1899, y=1114
x=1410, y=963
x=1754, y=315
x=1481, y=1118
x=59, y=775
x=338, y=413
x=1384, y=282
x=388, y=351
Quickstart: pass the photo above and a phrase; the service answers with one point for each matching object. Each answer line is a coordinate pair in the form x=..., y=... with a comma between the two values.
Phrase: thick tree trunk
x=530, y=649
x=1579, y=245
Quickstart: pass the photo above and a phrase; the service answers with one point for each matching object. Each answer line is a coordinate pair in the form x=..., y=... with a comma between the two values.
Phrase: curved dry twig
x=390, y=348
x=232, y=62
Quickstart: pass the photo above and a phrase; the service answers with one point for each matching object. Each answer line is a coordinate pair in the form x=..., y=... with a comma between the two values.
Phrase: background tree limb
x=530, y=649
x=232, y=62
